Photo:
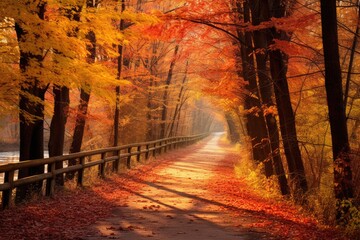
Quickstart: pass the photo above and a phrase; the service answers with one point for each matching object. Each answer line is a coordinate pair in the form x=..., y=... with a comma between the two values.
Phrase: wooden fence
x=107, y=155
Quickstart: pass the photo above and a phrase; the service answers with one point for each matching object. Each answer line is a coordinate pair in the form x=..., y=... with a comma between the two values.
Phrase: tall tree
x=255, y=123
x=352, y=57
x=119, y=74
x=85, y=89
x=337, y=116
x=61, y=103
x=278, y=68
x=32, y=95
x=166, y=94
x=151, y=64
x=260, y=13
x=178, y=103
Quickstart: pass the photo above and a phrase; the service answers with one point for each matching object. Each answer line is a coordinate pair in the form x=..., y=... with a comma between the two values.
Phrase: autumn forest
x=280, y=77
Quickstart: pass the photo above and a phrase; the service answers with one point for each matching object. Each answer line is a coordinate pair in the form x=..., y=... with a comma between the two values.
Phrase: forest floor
x=191, y=193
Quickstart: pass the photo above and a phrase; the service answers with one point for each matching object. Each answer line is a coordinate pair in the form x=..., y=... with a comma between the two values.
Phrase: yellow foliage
x=253, y=174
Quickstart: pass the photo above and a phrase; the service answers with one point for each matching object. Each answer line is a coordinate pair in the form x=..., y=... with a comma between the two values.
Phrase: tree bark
x=337, y=116
x=119, y=73
x=287, y=123
x=177, y=108
x=85, y=92
x=233, y=133
x=57, y=128
x=278, y=69
x=183, y=100
x=261, y=13
x=351, y=60
x=152, y=66
x=255, y=124
x=31, y=131
x=166, y=94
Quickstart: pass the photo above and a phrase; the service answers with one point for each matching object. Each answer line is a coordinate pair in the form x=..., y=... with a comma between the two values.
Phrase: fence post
x=154, y=151
x=173, y=144
x=7, y=194
x=147, y=152
x=52, y=180
x=160, y=147
x=116, y=163
x=80, y=181
x=102, y=165
x=165, y=146
x=170, y=142
x=128, y=161
x=139, y=153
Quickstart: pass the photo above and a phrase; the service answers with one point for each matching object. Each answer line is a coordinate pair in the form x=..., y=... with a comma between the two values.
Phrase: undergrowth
x=319, y=202
x=253, y=174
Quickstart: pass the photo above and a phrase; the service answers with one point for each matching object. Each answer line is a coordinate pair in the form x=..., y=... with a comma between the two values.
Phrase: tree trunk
x=278, y=69
x=149, y=118
x=337, y=117
x=233, y=133
x=81, y=114
x=57, y=128
x=80, y=123
x=85, y=93
x=255, y=123
x=61, y=106
x=182, y=103
x=152, y=66
x=260, y=13
x=166, y=95
x=119, y=73
x=351, y=60
x=31, y=131
x=177, y=108
x=287, y=123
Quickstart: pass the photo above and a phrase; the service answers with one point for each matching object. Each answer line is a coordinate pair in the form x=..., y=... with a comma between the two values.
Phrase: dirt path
x=175, y=206
x=191, y=193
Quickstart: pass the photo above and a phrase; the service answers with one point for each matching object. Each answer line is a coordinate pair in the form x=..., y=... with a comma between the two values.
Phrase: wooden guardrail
x=107, y=155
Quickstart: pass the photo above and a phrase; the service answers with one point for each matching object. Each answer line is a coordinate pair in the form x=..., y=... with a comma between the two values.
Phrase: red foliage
x=67, y=215
x=282, y=219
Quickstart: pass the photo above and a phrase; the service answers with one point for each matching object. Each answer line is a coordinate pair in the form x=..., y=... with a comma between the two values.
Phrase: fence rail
x=107, y=155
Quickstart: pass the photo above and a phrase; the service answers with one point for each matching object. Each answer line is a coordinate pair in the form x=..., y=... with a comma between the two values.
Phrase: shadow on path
x=177, y=205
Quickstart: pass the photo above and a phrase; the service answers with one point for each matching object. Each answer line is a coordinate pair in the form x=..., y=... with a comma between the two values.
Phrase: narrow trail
x=177, y=205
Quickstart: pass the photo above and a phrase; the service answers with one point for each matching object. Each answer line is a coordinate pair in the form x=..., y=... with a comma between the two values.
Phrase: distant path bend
x=177, y=205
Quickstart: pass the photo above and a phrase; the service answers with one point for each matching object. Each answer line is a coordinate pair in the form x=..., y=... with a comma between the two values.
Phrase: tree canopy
x=281, y=77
